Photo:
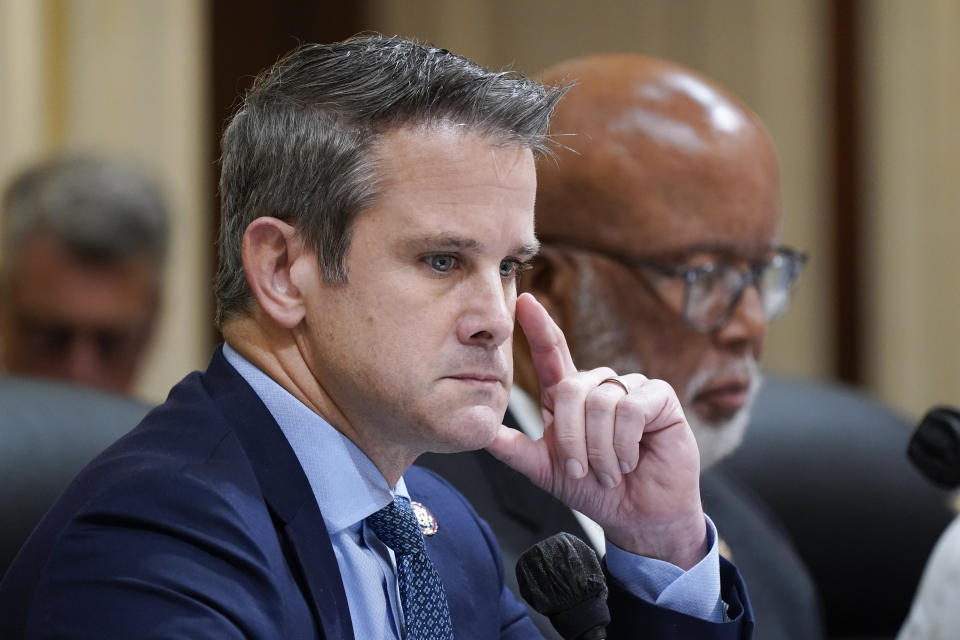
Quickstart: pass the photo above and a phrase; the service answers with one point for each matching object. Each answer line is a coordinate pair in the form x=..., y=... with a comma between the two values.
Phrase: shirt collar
x=526, y=412
x=347, y=485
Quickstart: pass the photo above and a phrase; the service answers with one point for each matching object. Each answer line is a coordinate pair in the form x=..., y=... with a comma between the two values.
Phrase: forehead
x=656, y=202
x=663, y=160
x=705, y=204
x=443, y=179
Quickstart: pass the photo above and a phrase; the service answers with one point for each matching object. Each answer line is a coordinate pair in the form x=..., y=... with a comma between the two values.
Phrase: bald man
x=659, y=220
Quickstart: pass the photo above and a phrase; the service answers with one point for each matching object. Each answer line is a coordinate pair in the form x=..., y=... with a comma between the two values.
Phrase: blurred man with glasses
x=84, y=243
x=659, y=218
x=704, y=298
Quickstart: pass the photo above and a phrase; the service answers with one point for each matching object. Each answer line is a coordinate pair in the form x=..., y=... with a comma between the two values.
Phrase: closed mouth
x=476, y=377
x=724, y=399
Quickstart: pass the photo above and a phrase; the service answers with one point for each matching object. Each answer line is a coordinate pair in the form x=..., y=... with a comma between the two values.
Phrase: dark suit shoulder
x=166, y=533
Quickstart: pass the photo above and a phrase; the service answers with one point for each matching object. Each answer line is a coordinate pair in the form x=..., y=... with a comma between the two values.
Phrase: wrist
x=681, y=541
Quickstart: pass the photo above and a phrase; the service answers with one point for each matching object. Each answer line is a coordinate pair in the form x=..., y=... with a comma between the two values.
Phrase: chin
x=717, y=440
x=718, y=436
x=469, y=429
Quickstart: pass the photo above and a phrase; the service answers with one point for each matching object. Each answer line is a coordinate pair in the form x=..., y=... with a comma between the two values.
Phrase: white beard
x=716, y=440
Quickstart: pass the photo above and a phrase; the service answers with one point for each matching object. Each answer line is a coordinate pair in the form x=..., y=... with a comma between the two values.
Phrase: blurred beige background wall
x=129, y=76
x=124, y=77
x=913, y=201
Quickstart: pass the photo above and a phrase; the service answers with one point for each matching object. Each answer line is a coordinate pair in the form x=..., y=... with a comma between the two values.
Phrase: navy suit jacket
x=200, y=523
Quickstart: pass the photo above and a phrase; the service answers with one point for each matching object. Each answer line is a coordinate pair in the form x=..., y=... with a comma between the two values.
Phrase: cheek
x=606, y=320
x=633, y=332
x=674, y=353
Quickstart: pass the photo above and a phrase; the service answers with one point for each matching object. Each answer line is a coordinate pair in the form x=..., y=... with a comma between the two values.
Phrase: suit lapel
x=317, y=564
x=287, y=493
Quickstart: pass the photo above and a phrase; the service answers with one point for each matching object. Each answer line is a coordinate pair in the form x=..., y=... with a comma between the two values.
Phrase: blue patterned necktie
x=424, y=603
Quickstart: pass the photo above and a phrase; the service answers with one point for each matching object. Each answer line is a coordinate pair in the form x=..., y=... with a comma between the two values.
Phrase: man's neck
x=277, y=355
x=274, y=351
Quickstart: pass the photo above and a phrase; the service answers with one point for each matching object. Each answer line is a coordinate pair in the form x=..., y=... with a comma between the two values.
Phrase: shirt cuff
x=695, y=592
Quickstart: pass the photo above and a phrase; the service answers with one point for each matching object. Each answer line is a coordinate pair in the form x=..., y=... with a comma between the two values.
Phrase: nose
x=747, y=326
x=489, y=306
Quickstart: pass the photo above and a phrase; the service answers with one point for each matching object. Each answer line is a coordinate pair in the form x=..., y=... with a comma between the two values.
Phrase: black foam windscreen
x=935, y=447
x=561, y=578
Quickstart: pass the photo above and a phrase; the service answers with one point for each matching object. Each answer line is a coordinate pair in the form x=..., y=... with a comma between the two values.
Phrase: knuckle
x=626, y=450
x=596, y=452
x=630, y=408
x=601, y=399
x=601, y=372
x=661, y=387
x=569, y=441
x=635, y=380
x=607, y=372
x=569, y=388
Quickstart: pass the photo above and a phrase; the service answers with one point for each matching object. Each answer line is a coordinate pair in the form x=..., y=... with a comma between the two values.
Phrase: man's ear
x=270, y=249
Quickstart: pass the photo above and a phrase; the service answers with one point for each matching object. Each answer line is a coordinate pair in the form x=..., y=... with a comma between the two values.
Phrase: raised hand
x=619, y=451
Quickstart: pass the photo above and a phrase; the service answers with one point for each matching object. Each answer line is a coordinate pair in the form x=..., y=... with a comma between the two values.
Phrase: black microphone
x=561, y=578
x=935, y=447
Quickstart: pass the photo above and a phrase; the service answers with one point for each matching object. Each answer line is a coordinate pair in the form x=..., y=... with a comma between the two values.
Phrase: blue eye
x=441, y=262
x=510, y=268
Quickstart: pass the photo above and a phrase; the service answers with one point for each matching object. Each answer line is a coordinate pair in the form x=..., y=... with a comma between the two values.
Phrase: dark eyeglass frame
x=752, y=275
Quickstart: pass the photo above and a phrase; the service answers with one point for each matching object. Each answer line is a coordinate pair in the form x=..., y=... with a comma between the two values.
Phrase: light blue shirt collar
x=347, y=485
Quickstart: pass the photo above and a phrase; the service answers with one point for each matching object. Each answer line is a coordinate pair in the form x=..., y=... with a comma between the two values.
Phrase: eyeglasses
x=52, y=341
x=712, y=291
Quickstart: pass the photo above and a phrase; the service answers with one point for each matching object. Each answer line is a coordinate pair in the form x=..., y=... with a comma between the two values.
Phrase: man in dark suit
x=659, y=223
x=377, y=207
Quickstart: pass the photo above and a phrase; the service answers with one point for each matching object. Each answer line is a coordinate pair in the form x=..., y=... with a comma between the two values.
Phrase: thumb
x=516, y=450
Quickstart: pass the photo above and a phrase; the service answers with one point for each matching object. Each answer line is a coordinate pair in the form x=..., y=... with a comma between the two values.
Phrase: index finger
x=548, y=347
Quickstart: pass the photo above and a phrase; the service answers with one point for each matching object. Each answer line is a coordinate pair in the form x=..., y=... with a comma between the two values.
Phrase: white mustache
x=745, y=367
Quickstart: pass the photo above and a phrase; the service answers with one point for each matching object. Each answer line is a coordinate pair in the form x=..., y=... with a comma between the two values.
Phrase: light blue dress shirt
x=349, y=487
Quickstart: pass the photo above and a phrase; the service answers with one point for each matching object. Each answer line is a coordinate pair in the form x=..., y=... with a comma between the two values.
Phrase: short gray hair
x=102, y=210
x=300, y=148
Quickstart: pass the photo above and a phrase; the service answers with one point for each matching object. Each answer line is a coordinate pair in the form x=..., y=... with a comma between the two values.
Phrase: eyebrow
x=450, y=242
x=528, y=250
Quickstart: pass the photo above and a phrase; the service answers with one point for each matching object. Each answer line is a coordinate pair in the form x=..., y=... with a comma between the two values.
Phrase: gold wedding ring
x=618, y=381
